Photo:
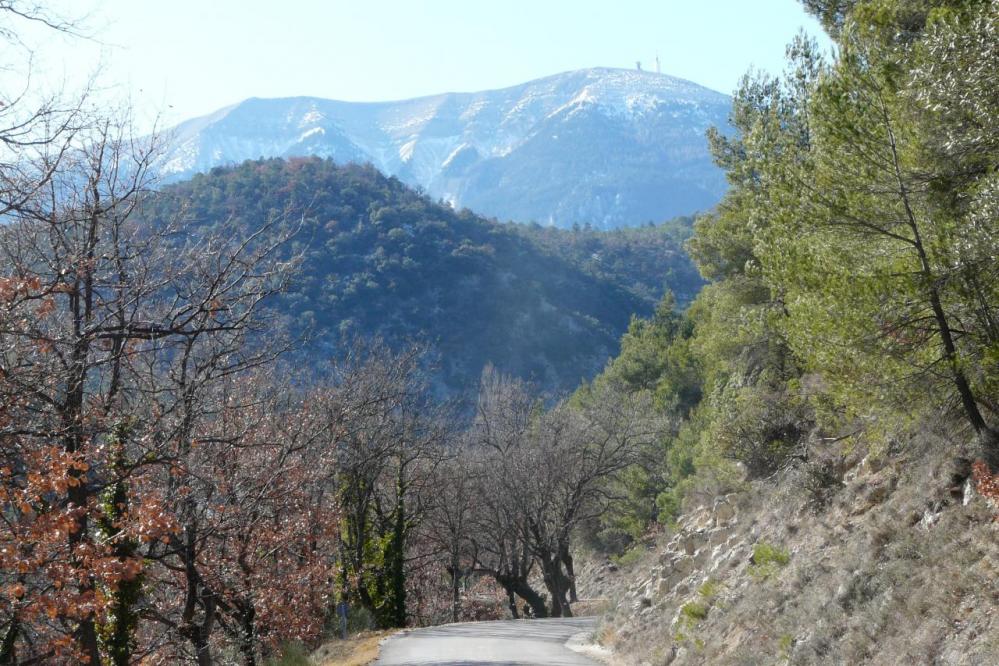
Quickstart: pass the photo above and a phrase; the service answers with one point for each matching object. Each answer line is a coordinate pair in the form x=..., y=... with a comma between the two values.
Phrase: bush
x=358, y=619
x=760, y=426
x=768, y=559
x=293, y=654
x=694, y=611
x=709, y=589
x=630, y=557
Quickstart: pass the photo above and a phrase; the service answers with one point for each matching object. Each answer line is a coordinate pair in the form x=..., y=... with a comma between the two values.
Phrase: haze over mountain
x=605, y=147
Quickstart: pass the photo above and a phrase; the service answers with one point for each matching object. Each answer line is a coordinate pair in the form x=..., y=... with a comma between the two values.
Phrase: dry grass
x=892, y=567
x=585, y=607
x=358, y=650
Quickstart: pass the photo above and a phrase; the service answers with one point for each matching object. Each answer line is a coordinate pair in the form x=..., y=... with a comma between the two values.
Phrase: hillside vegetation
x=836, y=377
x=380, y=260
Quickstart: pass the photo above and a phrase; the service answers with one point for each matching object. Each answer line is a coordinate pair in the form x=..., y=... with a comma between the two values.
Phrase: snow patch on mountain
x=604, y=146
x=311, y=132
x=406, y=150
x=311, y=117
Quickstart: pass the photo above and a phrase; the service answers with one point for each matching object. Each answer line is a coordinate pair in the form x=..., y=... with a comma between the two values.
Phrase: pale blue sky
x=183, y=58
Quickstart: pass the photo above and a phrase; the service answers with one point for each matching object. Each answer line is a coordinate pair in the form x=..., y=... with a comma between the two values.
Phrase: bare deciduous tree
x=98, y=314
x=542, y=474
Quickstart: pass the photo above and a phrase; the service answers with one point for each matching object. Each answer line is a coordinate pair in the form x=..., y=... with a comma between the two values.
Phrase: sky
x=183, y=58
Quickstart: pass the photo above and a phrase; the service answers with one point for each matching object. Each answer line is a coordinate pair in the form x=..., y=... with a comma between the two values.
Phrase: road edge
x=582, y=643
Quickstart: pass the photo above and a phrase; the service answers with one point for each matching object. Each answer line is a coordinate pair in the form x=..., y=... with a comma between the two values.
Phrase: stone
x=683, y=566
x=693, y=542
x=718, y=537
x=701, y=519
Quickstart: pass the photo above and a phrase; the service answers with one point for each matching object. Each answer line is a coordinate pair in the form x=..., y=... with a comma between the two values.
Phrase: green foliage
x=709, y=589
x=852, y=263
x=695, y=611
x=655, y=357
x=758, y=425
x=785, y=644
x=692, y=613
x=360, y=619
x=870, y=234
x=645, y=259
x=630, y=557
x=379, y=571
x=767, y=560
x=379, y=259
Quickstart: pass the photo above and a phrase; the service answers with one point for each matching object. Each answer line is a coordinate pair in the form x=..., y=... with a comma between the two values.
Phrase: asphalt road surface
x=503, y=643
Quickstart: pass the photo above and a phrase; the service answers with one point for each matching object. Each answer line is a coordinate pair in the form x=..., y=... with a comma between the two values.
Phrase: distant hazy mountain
x=608, y=147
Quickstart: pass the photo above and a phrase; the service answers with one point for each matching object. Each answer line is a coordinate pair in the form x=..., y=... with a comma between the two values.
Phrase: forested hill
x=380, y=259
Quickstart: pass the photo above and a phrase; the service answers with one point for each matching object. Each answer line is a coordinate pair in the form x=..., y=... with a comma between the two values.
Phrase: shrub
x=360, y=619
x=694, y=611
x=822, y=480
x=768, y=559
x=709, y=589
x=785, y=644
x=760, y=426
x=629, y=557
x=293, y=654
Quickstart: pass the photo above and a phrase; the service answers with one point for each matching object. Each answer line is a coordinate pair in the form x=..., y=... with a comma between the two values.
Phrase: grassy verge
x=358, y=650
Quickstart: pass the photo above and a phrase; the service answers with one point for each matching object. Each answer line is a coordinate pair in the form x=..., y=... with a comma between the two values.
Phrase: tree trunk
x=571, y=573
x=556, y=582
x=511, y=600
x=974, y=415
x=533, y=599
x=197, y=633
x=397, y=561
x=455, y=570
x=7, y=653
x=248, y=644
x=522, y=589
x=201, y=650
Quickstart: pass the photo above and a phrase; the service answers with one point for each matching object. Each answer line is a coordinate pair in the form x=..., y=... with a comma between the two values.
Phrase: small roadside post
x=341, y=611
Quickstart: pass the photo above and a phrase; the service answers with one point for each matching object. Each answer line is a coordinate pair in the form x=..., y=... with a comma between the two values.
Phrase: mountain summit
x=605, y=147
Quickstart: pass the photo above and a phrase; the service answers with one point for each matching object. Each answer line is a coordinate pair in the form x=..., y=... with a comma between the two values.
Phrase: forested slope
x=836, y=377
x=379, y=259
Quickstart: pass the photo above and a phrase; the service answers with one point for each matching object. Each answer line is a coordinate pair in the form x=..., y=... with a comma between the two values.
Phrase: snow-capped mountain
x=608, y=147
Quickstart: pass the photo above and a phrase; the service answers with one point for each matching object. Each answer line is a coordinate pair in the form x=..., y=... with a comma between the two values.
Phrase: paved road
x=503, y=643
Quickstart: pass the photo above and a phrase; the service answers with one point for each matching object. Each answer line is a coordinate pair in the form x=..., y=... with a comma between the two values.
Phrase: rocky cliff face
x=888, y=559
x=605, y=147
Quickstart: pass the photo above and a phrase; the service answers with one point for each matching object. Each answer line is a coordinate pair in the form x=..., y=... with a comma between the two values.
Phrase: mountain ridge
x=600, y=146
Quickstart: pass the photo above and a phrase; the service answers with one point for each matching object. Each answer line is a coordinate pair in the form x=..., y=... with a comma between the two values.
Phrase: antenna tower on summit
x=659, y=69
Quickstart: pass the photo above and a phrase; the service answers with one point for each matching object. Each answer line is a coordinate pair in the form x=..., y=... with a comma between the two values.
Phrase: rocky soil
x=858, y=558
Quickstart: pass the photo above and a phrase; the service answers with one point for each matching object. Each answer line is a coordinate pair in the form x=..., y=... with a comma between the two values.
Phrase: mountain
x=605, y=147
x=381, y=259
